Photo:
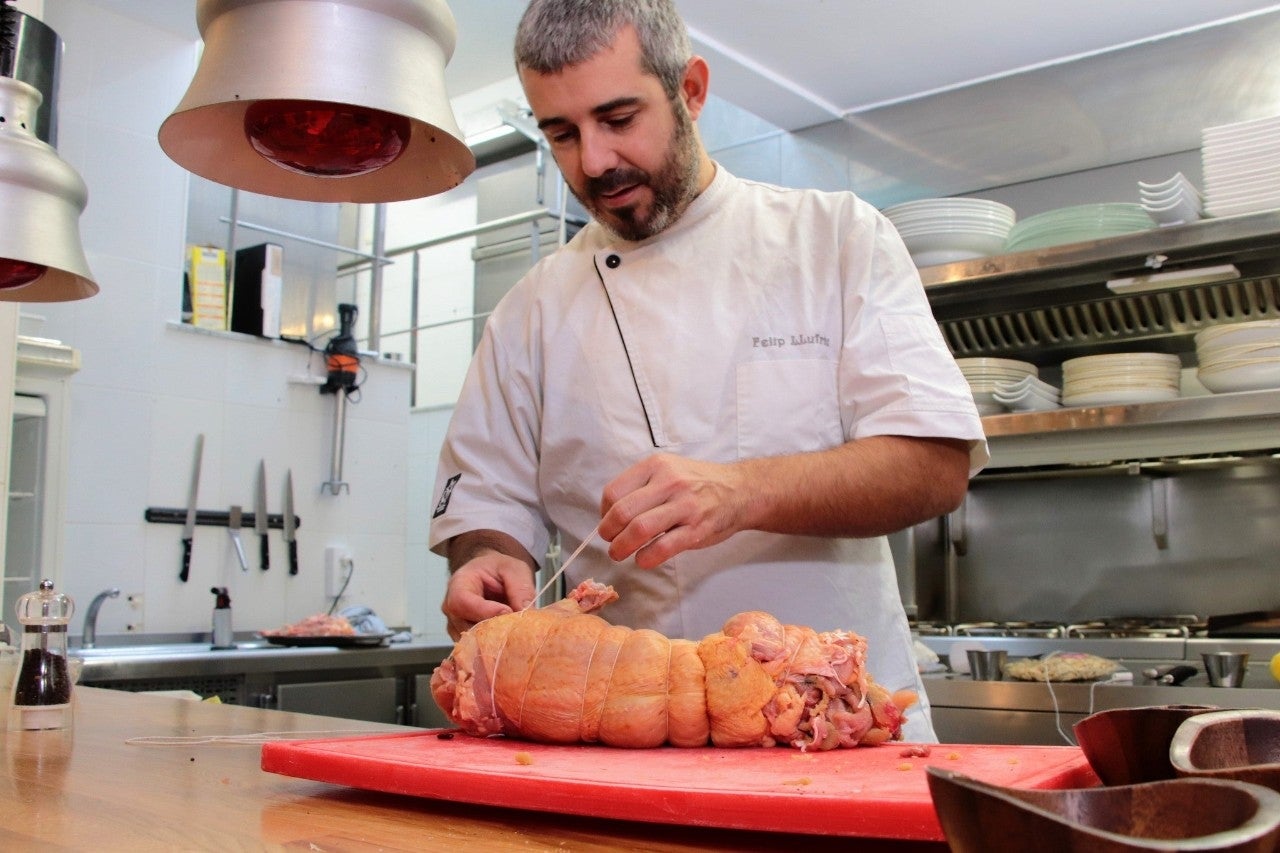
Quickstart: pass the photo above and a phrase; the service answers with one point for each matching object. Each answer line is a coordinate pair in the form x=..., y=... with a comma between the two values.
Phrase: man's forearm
x=465, y=547
x=869, y=487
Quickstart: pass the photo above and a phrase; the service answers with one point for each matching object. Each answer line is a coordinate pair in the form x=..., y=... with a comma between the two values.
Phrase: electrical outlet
x=338, y=566
x=137, y=613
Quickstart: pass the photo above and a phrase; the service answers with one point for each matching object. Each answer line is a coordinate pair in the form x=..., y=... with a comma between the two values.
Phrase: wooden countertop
x=91, y=788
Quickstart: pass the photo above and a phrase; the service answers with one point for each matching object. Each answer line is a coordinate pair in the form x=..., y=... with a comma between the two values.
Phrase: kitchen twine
x=1057, y=712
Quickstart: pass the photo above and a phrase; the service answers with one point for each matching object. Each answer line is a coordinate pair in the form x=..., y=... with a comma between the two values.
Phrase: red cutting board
x=874, y=792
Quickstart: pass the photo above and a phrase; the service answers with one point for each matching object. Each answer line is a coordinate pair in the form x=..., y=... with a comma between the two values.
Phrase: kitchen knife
x=288, y=526
x=260, y=516
x=234, y=518
x=189, y=529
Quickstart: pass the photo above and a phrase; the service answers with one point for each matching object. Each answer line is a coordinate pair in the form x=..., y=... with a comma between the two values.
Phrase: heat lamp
x=41, y=197
x=322, y=100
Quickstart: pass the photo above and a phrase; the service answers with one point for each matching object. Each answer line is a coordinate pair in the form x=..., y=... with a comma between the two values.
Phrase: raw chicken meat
x=562, y=675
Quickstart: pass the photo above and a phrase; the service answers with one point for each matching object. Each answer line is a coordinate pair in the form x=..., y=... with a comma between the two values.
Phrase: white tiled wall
x=148, y=386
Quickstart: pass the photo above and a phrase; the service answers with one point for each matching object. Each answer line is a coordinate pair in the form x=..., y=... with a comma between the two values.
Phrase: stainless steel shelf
x=1241, y=238
x=1241, y=422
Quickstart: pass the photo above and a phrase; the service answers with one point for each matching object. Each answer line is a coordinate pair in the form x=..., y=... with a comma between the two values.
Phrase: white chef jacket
x=764, y=321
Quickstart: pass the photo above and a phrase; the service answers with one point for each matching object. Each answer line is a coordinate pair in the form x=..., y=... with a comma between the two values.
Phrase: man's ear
x=693, y=88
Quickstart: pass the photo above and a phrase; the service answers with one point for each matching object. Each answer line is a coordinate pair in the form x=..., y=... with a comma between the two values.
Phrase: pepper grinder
x=42, y=688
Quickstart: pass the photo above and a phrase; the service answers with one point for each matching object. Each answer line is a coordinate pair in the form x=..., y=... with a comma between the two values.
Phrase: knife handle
x=264, y=552
x=186, y=561
x=293, y=556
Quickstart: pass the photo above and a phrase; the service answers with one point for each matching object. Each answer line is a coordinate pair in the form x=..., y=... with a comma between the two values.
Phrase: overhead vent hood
x=1152, y=290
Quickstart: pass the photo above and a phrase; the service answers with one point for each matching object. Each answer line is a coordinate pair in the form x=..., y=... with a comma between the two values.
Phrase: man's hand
x=666, y=504
x=487, y=580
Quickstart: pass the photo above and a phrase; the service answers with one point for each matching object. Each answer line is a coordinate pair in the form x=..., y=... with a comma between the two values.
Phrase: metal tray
x=351, y=641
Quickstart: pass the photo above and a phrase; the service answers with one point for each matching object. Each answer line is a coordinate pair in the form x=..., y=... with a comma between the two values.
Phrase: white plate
x=1155, y=186
x=1244, y=377
x=1211, y=355
x=959, y=241
x=1122, y=360
x=1270, y=203
x=945, y=256
x=944, y=206
x=989, y=361
x=1029, y=383
x=1235, y=334
x=1033, y=404
x=1240, y=132
x=1120, y=396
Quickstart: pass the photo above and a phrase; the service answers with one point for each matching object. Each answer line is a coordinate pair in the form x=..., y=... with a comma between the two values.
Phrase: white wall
x=148, y=387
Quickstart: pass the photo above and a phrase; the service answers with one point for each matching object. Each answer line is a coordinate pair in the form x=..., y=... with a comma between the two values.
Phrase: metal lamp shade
x=41, y=199
x=386, y=55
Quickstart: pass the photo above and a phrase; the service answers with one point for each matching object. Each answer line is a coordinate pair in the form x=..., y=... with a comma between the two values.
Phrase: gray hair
x=554, y=34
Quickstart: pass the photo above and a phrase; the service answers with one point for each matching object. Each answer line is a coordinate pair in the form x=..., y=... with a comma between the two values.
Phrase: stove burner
x=1044, y=630
x=1138, y=626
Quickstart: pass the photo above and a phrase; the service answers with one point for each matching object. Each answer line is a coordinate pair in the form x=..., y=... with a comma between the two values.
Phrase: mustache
x=615, y=179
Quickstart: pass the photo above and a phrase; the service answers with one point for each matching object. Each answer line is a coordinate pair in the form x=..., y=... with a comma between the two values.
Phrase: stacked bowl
x=946, y=230
x=1171, y=202
x=1241, y=166
x=984, y=375
x=1028, y=394
x=1239, y=356
x=1077, y=224
x=1116, y=378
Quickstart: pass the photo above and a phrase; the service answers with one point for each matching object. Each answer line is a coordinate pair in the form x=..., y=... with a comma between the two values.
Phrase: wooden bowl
x=1172, y=814
x=1126, y=746
x=1240, y=745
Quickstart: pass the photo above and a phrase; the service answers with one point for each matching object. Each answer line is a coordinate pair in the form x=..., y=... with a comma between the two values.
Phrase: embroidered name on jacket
x=445, y=495
x=796, y=340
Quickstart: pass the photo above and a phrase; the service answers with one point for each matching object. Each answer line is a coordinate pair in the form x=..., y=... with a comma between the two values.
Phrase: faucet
x=90, y=634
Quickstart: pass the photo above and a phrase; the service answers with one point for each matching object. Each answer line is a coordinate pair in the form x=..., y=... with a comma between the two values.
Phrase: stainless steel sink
x=164, y=650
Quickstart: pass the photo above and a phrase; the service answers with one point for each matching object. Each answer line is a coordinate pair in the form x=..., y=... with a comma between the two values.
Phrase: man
x=739, y=387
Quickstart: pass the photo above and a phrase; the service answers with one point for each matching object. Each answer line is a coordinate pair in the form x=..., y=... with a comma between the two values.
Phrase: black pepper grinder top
x=42, y=688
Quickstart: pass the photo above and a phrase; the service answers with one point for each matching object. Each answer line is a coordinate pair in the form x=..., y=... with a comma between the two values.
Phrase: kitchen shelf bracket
x=1160, y=512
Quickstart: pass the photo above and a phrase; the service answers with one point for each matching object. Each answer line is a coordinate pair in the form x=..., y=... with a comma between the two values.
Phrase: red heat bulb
x=15, y=274
x=325, y=139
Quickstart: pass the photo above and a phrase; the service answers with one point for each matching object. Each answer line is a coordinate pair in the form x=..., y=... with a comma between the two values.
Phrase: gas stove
x=1138, y=642
x=1123, y=627
x=968, y=711
x=1048, y=630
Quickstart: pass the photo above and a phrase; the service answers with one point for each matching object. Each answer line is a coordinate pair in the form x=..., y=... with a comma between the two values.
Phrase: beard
x=673, y=187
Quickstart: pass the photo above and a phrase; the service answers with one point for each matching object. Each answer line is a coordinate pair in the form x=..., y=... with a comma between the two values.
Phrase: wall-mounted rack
x=213, y=518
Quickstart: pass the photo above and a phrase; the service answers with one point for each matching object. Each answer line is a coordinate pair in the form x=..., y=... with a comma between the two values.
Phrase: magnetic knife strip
x=213, y=518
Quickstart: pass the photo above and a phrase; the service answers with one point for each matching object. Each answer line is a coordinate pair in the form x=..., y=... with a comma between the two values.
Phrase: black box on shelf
x=256, y=292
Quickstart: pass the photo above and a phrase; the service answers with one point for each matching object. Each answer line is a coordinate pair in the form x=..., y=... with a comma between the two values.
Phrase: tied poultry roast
x=561, y=674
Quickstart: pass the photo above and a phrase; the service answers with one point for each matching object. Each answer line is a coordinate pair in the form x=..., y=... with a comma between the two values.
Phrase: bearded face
x=672, y=186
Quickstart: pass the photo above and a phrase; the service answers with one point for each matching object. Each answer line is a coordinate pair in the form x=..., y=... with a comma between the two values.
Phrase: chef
x=730, y=391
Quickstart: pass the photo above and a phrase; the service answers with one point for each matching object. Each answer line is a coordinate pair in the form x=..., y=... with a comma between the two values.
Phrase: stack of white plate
x=1124, y=377
x=946, y=230
x=984, y=374
x=1241, y=166
x=1171, y=202
x=1239, y=356
x=1077, y=224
